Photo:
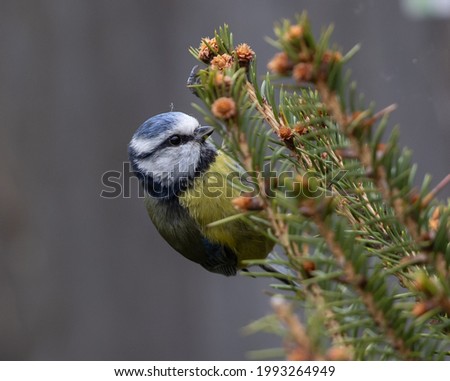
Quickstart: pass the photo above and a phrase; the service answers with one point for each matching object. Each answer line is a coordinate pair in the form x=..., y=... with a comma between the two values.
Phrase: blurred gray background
x=87, y=278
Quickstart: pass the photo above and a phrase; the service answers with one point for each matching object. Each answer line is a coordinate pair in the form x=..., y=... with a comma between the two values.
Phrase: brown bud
x=221, y=62
x=247, y=203
x=224, y=108
x=308, y=266
x=338, y=354
x=285, y=133
x=421, y=308
x=244, y=54
x=295, y=32
x=330, y=56
x=205, y=53
x=303, y=72
x=280, y=64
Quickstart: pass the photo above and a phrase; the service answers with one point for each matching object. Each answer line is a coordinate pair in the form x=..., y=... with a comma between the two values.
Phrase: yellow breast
x=209, y=200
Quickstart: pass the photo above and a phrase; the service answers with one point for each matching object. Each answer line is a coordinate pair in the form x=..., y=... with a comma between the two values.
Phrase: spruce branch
x=358, y=281
x=338, y=201
x=357, y=128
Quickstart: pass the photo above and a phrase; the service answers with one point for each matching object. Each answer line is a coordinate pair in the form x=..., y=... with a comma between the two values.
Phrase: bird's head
x=168, y=151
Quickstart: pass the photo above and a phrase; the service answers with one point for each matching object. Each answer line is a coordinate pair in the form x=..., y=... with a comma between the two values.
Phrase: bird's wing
x=184, y=235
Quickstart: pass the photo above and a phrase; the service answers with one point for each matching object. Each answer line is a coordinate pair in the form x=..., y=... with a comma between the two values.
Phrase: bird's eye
x=175, y=140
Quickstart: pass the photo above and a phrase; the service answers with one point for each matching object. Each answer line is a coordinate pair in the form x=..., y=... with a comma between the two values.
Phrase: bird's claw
x=193, y=80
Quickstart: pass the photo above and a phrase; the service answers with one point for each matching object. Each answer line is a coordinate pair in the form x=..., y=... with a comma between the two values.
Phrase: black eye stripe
x=164, y=144
x=182, y=140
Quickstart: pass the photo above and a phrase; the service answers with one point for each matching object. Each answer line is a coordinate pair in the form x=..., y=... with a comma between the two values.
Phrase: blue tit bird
x=176, y=163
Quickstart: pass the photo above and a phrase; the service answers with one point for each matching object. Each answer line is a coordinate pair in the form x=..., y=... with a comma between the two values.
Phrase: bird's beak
x=202, y=132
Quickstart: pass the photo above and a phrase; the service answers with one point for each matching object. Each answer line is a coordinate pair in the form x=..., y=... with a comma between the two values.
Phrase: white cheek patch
x=178, y=161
